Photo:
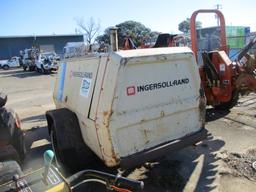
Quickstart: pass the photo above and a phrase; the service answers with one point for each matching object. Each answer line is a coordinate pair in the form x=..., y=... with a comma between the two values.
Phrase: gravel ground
x=241, y=164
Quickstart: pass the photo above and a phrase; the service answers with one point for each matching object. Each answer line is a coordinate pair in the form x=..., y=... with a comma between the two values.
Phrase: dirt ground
x=222, y=162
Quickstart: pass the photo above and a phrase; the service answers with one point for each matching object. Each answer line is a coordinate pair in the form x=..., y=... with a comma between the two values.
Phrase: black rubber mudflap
x=71, y=150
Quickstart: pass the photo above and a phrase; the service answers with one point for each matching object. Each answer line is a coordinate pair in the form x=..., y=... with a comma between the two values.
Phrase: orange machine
x=221, y=78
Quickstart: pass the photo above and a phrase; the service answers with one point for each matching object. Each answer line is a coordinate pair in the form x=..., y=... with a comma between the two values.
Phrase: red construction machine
x=222, y=79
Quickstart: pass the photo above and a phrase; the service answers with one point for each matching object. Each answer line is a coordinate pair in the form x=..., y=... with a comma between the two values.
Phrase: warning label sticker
x=85, y=87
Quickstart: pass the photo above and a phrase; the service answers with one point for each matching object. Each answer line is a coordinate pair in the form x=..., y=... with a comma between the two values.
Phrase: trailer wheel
x=46, y=71
x=31, y=68
x=68, y=158
x=38, y=70
x=55, y=148
x=23, y=149
x=18, y=142
x=230, y=104
x=6, y=67
x=70, y=150
x=59, y=157
x=21, y=146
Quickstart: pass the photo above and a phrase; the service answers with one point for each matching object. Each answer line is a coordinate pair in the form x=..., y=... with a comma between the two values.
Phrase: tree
x=184, y=26
x=104, y=38
x=89, y=29
x=133, y=29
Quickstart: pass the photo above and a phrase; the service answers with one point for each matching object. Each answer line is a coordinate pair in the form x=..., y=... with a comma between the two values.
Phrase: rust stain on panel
x=106, y=120
x=146, y=135
x=162, y=114
x=106, y=117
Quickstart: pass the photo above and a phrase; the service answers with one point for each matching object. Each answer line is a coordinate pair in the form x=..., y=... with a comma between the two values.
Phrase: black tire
x=6, y=67
x=230, y=104
x=64, y=158
x=38, y=70
x=44, y=71
x=31, y=68
x=24, y=68
x=3, y=99
x=70, y=150
x=58, y=159
x=19, y=143
x=22, y=147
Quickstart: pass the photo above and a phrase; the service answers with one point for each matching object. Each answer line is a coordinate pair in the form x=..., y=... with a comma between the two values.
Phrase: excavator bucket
x=246, y=83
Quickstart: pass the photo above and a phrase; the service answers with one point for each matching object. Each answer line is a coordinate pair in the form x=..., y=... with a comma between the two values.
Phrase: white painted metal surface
x=131, y=100
x=13, y=62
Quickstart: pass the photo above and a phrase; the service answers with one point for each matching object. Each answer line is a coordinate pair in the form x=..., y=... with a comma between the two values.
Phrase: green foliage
x=184, y=26
x=133, y=29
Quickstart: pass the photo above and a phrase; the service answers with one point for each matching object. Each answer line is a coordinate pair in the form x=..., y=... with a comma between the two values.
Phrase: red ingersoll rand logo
x=132, y=90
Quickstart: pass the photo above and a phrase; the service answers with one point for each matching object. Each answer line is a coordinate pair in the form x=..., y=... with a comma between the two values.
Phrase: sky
x=47, y=17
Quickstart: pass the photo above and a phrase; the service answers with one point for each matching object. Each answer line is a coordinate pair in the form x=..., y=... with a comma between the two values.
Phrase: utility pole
x=218, y=6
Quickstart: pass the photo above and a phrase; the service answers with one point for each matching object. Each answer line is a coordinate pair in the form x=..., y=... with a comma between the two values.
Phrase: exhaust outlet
x=113, y=39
